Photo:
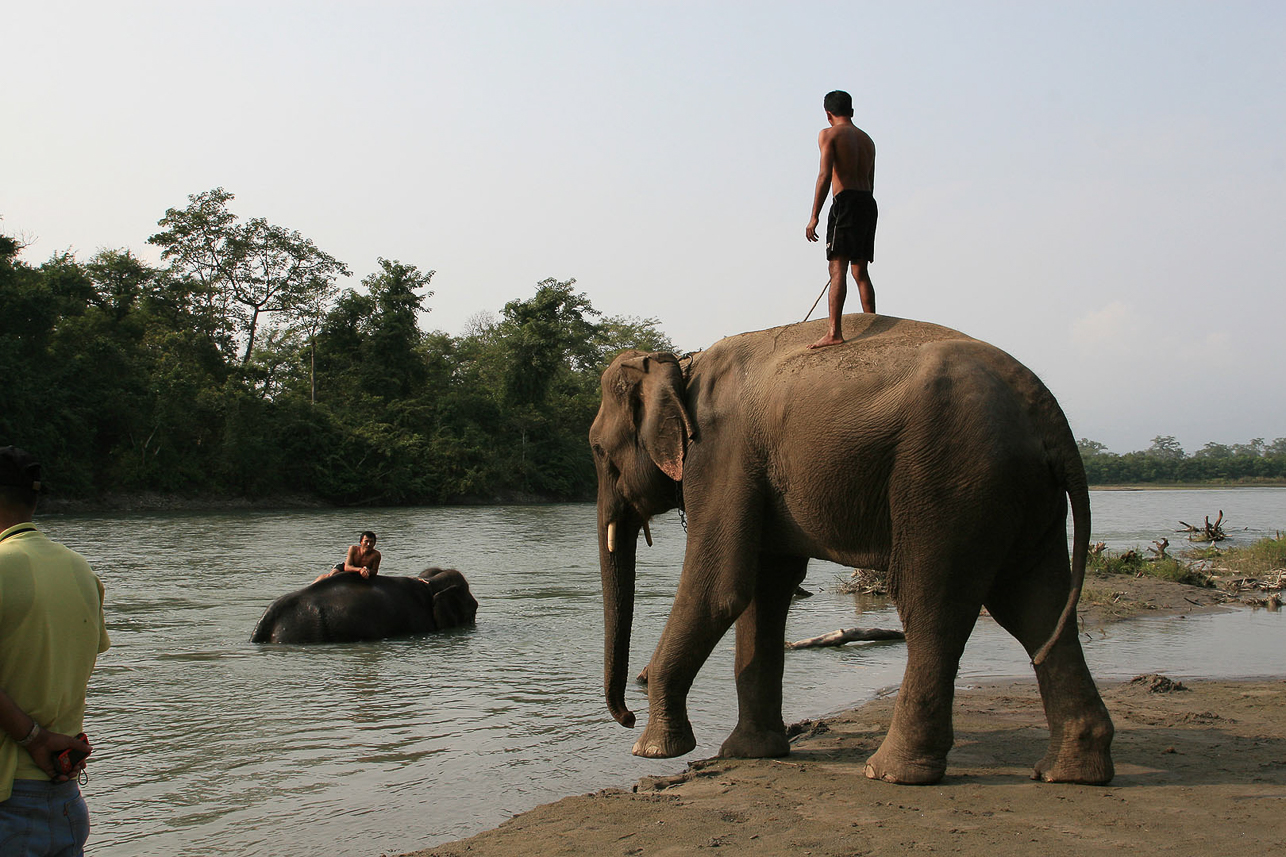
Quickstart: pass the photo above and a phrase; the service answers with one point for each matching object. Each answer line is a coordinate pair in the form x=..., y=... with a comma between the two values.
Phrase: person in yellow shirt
x=51, y=633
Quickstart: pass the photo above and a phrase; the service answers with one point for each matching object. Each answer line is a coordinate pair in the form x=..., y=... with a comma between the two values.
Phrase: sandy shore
x=1200, y=769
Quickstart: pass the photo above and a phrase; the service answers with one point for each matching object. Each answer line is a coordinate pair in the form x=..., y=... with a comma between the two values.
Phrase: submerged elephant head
x=639, y=440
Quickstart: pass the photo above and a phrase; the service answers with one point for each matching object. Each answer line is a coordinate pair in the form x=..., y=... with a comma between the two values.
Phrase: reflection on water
x=208, y=745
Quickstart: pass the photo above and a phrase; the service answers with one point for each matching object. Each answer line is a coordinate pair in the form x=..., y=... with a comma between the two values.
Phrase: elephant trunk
x=617, y=541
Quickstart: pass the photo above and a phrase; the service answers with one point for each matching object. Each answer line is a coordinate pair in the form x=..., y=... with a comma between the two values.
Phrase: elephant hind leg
x=914, y=751
x=1028, y=605
x=938, y=601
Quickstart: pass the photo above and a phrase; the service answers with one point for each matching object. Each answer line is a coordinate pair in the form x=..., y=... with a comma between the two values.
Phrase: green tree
x=245, y=272
x=1255, y=449
x=1165, y=448
x=618, y=333
x=1090, y=448
x=1218, y=451
x=395, y=367
x=544, y=337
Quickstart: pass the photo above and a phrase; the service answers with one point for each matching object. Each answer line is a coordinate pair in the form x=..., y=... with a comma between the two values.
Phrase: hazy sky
x=1097, y=188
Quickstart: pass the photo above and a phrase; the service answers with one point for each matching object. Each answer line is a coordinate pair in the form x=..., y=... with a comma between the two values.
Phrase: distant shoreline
x=149, y=501
x=157, y=502
x=1189, y=486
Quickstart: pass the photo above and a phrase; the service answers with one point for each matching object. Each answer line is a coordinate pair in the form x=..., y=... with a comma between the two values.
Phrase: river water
x=208, y=745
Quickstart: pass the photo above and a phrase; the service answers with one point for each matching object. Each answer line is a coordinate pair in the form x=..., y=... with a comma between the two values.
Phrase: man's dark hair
x=19, y=477
x=366, y=533
x=838, y=103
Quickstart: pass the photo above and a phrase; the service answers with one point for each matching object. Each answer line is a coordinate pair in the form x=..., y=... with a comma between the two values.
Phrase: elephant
x=346, y=608
x=911, y=448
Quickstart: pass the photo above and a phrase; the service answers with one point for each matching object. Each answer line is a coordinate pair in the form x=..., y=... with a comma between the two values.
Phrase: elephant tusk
x=647, y=534
x=611, y=537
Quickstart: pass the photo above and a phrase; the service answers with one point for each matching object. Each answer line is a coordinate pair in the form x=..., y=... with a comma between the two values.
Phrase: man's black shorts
x=850, y=229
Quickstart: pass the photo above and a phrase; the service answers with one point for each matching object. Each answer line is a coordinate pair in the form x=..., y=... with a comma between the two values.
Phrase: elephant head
x=639, y=439
x=453, y=605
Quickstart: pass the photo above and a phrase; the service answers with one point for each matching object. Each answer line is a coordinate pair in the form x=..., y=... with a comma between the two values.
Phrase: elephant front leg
x=716, y=586
x=668, y=731
x=761, y=632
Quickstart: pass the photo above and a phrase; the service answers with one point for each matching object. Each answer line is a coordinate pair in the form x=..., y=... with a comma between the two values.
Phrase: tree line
x=240, y=368
x=1166, y=462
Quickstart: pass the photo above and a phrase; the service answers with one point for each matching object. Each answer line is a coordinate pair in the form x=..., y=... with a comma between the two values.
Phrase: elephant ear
x=661, y=418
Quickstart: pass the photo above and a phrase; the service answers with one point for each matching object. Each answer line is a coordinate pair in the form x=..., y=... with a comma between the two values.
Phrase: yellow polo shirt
x=51, y=632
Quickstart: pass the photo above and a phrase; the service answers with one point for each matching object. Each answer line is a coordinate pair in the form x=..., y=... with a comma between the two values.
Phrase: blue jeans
x=43, y=819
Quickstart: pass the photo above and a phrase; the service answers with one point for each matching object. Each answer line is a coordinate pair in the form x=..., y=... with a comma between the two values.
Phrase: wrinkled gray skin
x=911, y=448
x=346, y=608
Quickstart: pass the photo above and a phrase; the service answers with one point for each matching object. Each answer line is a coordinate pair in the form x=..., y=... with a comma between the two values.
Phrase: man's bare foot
x=828, y=339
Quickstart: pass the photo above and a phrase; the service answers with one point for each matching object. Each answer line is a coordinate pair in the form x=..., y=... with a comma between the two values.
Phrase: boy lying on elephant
x=362, y=559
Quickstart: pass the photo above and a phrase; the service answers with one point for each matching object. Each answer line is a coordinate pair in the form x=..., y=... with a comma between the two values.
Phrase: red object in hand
x=66, y=761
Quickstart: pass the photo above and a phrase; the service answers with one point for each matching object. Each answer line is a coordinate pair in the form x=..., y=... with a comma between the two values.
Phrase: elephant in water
x=910, y=447
x=345, y=608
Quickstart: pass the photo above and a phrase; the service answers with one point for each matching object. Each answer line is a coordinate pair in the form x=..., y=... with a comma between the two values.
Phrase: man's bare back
x=847, y=167
x=852, y=156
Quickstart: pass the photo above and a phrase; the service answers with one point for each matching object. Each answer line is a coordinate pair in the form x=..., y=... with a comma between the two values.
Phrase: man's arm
x=42, y=745
x=823, y=185
x=350, y=561
x=374, y=564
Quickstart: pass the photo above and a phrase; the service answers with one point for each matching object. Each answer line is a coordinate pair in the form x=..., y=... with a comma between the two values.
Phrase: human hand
x=366, y=572
x=811, y=232
x=46, y=745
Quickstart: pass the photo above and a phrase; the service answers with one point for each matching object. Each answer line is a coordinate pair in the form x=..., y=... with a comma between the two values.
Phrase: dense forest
x=1166, y=462
x=240, y=369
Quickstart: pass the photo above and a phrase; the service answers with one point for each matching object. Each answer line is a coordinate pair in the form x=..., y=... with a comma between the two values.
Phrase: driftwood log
x=1208, y=533
x=848, y=635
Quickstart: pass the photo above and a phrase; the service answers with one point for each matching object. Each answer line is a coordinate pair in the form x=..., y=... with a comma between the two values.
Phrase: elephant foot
x=746, y=743
x=1088, y=772
x=660, y=743
x=1086, y=759
x=923, y=771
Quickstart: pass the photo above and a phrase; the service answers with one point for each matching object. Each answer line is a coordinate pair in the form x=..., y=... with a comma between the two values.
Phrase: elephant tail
x=1071, y=471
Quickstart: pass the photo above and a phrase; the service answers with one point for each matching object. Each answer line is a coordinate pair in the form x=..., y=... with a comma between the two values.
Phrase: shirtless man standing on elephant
x=848, y=167
x=362, y=559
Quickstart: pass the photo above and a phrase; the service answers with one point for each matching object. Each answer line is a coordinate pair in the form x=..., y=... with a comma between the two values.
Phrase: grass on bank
x=1193, y=565
x=1136, y=565
x=1253, y=560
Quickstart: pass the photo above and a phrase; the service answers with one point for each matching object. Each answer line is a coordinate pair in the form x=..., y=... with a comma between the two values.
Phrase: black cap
x=19, y=468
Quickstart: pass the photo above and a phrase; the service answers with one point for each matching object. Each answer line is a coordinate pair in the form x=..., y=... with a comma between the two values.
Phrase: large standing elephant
x=911, y=448
x=345, y=608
